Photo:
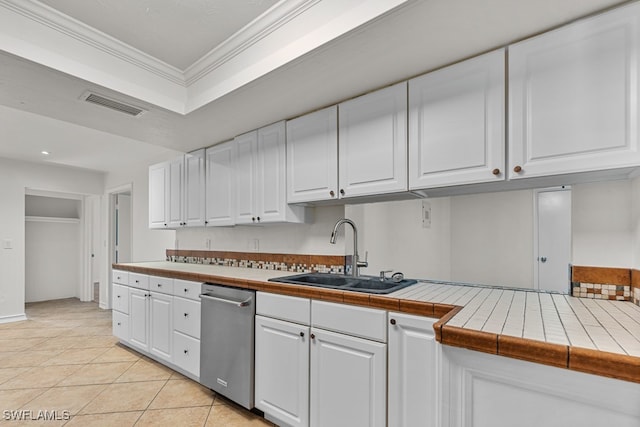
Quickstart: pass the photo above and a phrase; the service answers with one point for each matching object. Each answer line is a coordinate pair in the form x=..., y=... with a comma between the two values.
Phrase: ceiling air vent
x=94, y=98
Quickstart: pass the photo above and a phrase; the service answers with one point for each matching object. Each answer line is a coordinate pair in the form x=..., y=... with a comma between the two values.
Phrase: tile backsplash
x=602, y=283
x=266, y=261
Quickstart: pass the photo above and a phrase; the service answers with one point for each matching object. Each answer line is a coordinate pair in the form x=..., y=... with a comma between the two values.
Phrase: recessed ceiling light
x=46, y=153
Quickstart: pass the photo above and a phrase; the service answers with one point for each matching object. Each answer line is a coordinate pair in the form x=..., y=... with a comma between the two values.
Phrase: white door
x=554, y=240
x=282, y=370
x=194, y=189
x=271, y=191
x=160, y=325
x=220, y=184
x=574, y=96
x=456, y=123
x=312, y=156
x=138, y=314
x=158, y=202
x=245, y=171
x=175, y=194
x=122, y=227
x=373, y=143
x=413, y=371
x=348, y=381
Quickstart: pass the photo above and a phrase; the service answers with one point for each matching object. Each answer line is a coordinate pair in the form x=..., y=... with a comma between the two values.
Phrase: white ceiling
x=178, y=32
x=44, y=110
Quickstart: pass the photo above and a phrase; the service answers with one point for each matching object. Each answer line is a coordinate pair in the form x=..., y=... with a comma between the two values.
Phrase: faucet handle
x=364, y=263
x=383, y=274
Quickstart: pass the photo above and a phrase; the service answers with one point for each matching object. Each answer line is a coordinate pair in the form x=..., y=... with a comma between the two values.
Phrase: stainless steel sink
x=367, y=284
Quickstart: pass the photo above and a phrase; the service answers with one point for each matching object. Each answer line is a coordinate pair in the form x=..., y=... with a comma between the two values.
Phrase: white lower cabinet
x=413, y=371
x=348, y=380
x=121, y=325
x=485, y=390
x=138, y=315
x=186, y=353
x=160, y=325
x=282, y=371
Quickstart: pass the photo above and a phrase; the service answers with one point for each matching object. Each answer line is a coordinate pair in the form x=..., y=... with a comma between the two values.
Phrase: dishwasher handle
x=227, y=301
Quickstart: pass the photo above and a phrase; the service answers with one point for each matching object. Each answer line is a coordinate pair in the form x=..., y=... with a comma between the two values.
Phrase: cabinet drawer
x=120, y=277
x=161, y=284
x=121, y=298
x=186, y=353
x=187, y=289
x=361, y=322
x=186, y=316
x=140, y=281
x=292, y=309
x=120, y=323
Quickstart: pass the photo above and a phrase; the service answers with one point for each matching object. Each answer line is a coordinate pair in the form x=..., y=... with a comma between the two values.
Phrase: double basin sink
x=367, y=284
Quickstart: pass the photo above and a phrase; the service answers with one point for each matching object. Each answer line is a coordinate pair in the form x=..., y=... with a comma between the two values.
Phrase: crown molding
x=77, y=30
x=261, y=27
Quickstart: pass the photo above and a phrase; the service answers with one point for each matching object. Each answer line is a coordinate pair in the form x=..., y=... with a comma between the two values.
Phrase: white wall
x=52, y=260
x=602, y=224
x=392, y=234
x=635, y=223
x=15, y=176
x=492, y=238
x=310, y=238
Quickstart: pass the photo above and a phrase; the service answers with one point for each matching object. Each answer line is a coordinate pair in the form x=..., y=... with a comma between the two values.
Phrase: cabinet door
x=413, y=371
x=282, y=370
x=120, y=323
x=245, y=169
x=121, y=298
x=312, y=157
x=574, y=95
x=348, y=380
x=186, y=316
x=373, y=143
x=160, y=325
x=174, y=195
x=158, y=202
x=186, y=353
x=220, y=184
x=138, y=315
x=194, y=189
x=270, y=183
x=456, y=124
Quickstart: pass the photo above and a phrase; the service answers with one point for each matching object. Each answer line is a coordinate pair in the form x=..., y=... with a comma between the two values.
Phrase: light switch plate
x=7, y=244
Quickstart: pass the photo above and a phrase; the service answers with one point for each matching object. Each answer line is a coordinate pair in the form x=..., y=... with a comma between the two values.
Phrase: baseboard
x=103, y=306
x=13, y=318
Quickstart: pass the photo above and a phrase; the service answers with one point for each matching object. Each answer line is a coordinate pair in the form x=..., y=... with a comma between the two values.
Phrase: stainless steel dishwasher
x=226, y=342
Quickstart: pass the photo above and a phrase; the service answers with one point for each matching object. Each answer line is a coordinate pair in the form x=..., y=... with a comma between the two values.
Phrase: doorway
x=552, y=239
x=118, y=235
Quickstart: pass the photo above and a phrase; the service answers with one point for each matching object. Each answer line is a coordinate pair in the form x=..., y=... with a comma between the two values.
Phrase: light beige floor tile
x=60, y=343
x=26, y=359
x=117, y=354
x=7, y=373
x=95, y=341
x=15, y=399
x=183, y=417
x=116, y=419
x=40, y=376
x=145, y=370
x=124, y=397
x=75, y=356
x=91, y=331
x=71, y=399
x=182, y=394
x=21, y=333
x=96, y=373
x=226, y=416
x=20, y=344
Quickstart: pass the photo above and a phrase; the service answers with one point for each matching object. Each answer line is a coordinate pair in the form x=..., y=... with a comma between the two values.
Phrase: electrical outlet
x=256, y=245
x=207, y=244
x=7, y=244
x=426, y=214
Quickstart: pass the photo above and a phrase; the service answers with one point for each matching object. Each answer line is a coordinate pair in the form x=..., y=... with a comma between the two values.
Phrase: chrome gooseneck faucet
x=355, y=262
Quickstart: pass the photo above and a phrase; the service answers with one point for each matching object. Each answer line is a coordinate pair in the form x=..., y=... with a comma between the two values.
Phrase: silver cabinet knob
x=543, y=259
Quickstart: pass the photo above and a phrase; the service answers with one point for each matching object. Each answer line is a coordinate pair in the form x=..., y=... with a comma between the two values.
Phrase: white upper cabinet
x=573, y=97
x=194, y=189
x=261, y=178
x=177, y=192
x=456, y=124
x=158, y=201
x=373, y=143
x=220, y=184
x=175, y=195
x=312, y=156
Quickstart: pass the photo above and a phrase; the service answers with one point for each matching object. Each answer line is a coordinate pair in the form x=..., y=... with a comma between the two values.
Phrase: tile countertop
x=595, y=336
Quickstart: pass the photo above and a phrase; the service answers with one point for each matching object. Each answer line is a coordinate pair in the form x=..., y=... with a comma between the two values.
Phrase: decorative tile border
x=265, y=261
x=635, y=286
x=601, y=283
